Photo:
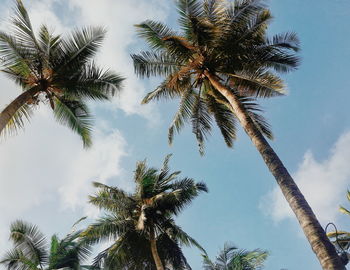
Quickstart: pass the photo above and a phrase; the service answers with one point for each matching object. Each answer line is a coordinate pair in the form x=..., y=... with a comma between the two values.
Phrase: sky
x=46, y=175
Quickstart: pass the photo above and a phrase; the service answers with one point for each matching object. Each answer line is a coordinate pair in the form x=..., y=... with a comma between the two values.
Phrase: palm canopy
x=54, y=70
x=133, y=217
x=31, y=251
x=232, y=258
x=228, y=40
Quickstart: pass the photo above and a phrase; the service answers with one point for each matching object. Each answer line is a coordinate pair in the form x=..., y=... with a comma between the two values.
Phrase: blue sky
x=45, y=176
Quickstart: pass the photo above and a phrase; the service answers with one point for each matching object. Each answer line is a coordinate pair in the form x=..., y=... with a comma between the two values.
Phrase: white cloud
x=47, y=162
x=323, y=183
x=119, y=17
x=100, y=164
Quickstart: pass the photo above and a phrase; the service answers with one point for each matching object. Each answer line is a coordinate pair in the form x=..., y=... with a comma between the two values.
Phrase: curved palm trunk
x=14, y=106
x=313, y=231
x=154, y=250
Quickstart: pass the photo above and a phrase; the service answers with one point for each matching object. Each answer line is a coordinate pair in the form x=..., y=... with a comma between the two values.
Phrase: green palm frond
x=189, y=11
x=183, y=114
x=259, y=83
x=288, y=40
x=208, y=264
x=341, y=239
x=91, y=82
x=148, y=64
x=249, y=260
x=182, y=237
x=75, y=115
x=60, y=68
x=225, y=119
x=70, y=252
x=15, y=56
x=49, y=43
x=23, y=27
x=111, y=198
x=161, y=92
x=230, y=257
x=225, y=41
x=201, y=121
x=154, y=33
x=15, y=260
x=130, y=218
x=29, y=241
x=32, y=253
x=214, y=10
x=343, y=209
x=79, y=48
x=17, y=121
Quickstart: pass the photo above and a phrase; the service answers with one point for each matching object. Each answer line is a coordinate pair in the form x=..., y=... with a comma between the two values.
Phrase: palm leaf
x=75, y=115
x=201, y=121
x=30, y=241
x=148, y=64
x=183, y=114
x=78, y=49
x=17, y=121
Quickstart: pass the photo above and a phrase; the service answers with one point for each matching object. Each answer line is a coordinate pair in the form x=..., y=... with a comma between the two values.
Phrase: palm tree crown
x=134, y=220
x=232, y=258
x=56, y=71
x=228, y=40
x=31, y=251
x=219, y=63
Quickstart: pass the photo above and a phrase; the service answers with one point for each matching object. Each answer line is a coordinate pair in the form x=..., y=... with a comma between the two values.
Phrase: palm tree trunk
x=14, y=106
x=313, y=231
x=154, y=250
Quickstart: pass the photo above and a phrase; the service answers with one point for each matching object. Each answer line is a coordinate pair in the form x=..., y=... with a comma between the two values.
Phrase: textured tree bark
x=157, y=260
x=322, y=247
x=14, y=106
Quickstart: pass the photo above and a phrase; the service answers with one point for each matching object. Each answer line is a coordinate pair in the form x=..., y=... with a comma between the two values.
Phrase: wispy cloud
x=47, y=160
x=323, y=183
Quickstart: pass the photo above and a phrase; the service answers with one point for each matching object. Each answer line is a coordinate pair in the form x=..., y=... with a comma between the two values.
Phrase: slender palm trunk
x=154, y=250
x=313, y=231
x=14, y=106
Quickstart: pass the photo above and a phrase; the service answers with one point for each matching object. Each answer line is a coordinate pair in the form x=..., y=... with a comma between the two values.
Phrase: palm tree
x=218, y=65
x=341, y=239
x=56, y=71
x=141, y=224
x=232, y=258
x=31, y=251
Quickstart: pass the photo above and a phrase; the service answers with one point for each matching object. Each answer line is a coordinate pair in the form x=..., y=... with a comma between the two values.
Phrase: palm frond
x=76, y=116
x=49, y=43
x=201, y=121
x=288, y=40
x=78, y=49
x=208, y=264
x=15, y=56
x=214, y=10
x=183, y=114
x=15, y=260
x=182, y=237
x=154, y=33
x=148, y=64
x=30, y=241
x=106, y=228
x=91, y=82
x=23, y=27
x=111, y=198
x=225, y=119
x=254, y=111
x=17, y=121
x=188, y=10
x=257, y=84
